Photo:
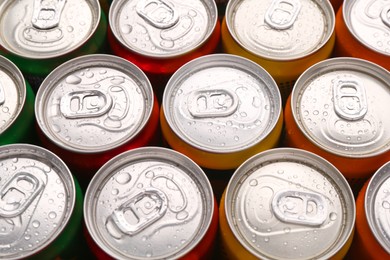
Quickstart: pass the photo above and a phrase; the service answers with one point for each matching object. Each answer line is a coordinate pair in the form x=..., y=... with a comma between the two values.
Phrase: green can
x=16, y=105
x=40, y=35
x=40, y=205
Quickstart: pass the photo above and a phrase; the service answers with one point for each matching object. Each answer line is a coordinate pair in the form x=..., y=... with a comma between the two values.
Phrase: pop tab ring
x=47, y=14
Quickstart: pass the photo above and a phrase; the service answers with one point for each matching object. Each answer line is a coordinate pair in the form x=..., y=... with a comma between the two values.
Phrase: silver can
x=287, y=204
x=340, y=108
x=220, y=109
x=149, y=203
x=92, y=106
x=38, y=205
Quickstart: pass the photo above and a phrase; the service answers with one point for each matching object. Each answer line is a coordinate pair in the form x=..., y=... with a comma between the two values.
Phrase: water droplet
x=126, y=28
x=236, y=138
x=118, y=80
x=123, y=178
x=266, y=239
x=89, y=74
x=72, y=79
x=287, y=230
x=70, y=28
x=15, y=160
x=333, y=216
x=52, y=215
x=36, y=223
x=115, y=192
x=386, y=204
x=56, y=128
x=5, y=109
x=253, y=183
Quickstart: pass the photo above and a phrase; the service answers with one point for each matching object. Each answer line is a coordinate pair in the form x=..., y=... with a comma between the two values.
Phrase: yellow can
x=221, y=109
x=284, y=36
x=286, y=203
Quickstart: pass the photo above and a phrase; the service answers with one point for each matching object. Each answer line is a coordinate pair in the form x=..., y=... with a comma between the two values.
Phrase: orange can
x=363, y=31
x=338, y=109
x=221, y=109
x=286, y=203
x=371, y=239
x=336, y=4
x=284, y=36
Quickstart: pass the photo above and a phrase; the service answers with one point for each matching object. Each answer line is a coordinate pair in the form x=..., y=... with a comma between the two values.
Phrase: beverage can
x=220, y=109
x=151, y=203
x=337, y=110
x=94, y=107
x=287, y=203
x=284, y=36
x=40, y=207
x=16, y=105
x=363, y=31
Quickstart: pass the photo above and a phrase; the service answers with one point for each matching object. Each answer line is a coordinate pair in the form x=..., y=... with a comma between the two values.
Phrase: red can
x=160, y=36
x=151, y=203
x=94, y=107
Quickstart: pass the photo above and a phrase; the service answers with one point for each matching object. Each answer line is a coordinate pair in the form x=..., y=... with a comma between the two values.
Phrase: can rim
x=379, y=177
x=82, y=62
x=15, y=74
x=113, y=24
x=98, y=13
x=133, y=156
x=344, y=62
x=240, y=63
x=36, y=151
x=347, y=9
x=326, y=7
x=301, y=156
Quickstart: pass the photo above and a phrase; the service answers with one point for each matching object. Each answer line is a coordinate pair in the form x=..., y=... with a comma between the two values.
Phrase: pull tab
x=87, y=103
x=2, y=95
x=349, y=98
x=385, y=15
x=212, y=103
x=18, y=193
x=47, y=13
x=159, y=13
x=298, y=207
x=282, y=14
x=138, y=212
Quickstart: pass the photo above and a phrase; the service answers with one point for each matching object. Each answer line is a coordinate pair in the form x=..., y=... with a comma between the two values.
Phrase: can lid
x=162, y=28
x=369, y=22
x=37, y=199
x=94, y=103
x=280, y=29
x=148, y=203
x=286, y=203
x=222, y=103
x=341, y=105
x=38, y=29
x=12, y=93
x=377, y=205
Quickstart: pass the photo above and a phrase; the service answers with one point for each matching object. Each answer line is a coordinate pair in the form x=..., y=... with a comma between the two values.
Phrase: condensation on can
x=95, y=107
x=371, y=239
x=151, y=203
x=16, y=105
x=284, y=36
x=40, y=35
x=338, y=110
x=287, y=203
x=363, y=31
x=40, y=206
x=221, y=109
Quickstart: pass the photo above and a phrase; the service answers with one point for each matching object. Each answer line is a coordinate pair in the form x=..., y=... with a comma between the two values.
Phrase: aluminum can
x=363, y=31
x=287, y=203
x=94, y=107
x=151, y=203
x=16, y=105
x=284, y=36
x=371, y=239
x=159, y=36
x=41, y=205
x=220, y=109
x=40, y=35
x=338, y=110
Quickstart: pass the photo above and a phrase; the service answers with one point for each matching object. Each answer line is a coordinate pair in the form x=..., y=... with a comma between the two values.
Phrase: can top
x=280, y=29
x=37, y=199
x=369, y=22
x=377, y=204
x=94, y=103
x=148, y=203
x=286, y=203
x=222, y=103
x=341, y=105
x=39, y=29
x=162, y=28
x=12, y=93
